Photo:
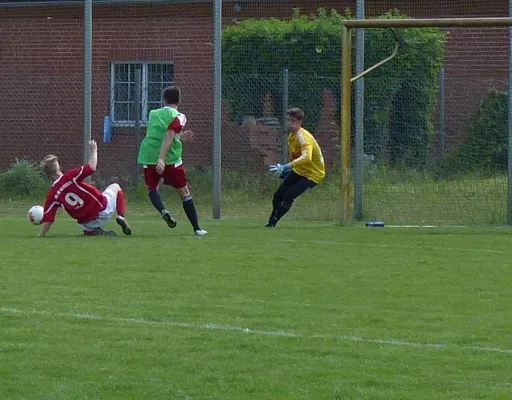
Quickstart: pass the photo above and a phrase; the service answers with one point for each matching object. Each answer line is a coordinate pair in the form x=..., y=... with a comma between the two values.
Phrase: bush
x=485, y=147
x=23, y=179
x=399, y=97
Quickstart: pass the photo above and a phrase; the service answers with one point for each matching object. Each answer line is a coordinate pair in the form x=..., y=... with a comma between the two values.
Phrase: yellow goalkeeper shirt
x=306, y=156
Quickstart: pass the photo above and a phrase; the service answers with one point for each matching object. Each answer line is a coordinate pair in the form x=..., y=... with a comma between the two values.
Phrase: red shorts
x=172, y=176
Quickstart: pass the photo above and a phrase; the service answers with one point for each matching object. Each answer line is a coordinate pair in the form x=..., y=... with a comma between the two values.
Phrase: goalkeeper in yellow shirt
x=305, y=170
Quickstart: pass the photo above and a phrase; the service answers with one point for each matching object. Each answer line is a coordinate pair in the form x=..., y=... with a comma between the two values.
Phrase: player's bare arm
x=166, y=144
x=93, y=160
x=45, y=227
x=187, y=135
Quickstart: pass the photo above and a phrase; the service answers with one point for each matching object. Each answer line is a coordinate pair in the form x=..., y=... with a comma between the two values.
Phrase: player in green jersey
x=160, y=155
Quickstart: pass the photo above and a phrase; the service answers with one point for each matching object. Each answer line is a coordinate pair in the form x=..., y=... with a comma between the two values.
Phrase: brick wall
x=41, y=68
x=41, y=84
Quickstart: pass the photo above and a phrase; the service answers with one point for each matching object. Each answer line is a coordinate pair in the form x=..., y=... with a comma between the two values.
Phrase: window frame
x=144, y=90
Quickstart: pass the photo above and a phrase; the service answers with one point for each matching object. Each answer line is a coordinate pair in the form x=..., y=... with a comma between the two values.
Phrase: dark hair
x=172, y=95
x=296, y=113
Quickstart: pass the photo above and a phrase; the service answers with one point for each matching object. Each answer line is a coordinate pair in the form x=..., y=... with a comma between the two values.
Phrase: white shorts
x=104, y=215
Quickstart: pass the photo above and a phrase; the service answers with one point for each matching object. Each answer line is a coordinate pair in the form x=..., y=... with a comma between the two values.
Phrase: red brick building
x=41, y=72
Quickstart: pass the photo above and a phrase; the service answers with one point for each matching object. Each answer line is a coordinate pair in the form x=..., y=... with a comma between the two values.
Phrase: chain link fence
x=429, y=169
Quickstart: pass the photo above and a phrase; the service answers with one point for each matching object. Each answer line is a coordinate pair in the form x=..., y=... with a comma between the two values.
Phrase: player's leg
x=95, y=228
x=119, y=199
x=291, y=179
x=98, y=232
x=301, y=185
x=115, y=193
x=190, y=210
x=178, y=179
x=152, y=180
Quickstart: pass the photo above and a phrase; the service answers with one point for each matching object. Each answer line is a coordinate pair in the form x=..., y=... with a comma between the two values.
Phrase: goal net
x=435, y=128
x=435, y=117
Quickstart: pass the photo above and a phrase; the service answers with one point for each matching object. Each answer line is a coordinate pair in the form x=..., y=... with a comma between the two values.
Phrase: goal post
x=346, y=91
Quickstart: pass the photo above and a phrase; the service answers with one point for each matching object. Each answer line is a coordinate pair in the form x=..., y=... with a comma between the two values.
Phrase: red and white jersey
x=81, y=201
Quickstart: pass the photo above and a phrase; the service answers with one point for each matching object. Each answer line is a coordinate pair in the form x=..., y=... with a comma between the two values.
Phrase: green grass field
x=305, y=311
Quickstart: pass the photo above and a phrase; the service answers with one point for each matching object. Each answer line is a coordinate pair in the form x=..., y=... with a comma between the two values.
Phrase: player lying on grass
x=160, y=154
x=82, y=201
x=305, y=170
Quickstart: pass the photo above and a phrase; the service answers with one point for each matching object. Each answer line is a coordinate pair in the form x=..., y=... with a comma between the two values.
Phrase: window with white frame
x=154, y=78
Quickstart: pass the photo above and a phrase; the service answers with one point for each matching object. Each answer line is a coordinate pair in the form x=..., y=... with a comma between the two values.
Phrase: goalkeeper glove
x=280, y=170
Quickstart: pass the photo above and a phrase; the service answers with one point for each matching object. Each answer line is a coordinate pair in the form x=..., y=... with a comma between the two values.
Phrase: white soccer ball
x=35, y=214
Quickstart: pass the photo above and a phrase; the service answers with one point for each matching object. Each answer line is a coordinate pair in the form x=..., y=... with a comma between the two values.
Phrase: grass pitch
x=305, y=311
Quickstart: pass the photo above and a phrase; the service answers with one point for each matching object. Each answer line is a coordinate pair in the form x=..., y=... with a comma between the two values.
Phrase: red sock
x=121, y=204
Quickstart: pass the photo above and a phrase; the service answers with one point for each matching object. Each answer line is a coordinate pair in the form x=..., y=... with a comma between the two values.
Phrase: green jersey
x=159, y=122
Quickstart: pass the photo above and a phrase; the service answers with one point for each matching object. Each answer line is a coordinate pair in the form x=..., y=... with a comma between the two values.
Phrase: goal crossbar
x=347, y=79
x=427, y=23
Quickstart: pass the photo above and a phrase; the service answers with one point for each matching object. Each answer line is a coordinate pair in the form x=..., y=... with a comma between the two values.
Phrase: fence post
x=217, y=108
x=346, y=91
x=359, y=122
x=137, y=116
x=87, y=77
x=286, y=83
x=509, y=158
x=442, y=133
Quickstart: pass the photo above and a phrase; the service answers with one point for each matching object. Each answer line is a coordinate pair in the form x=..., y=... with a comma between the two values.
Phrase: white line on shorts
x=261, y=332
